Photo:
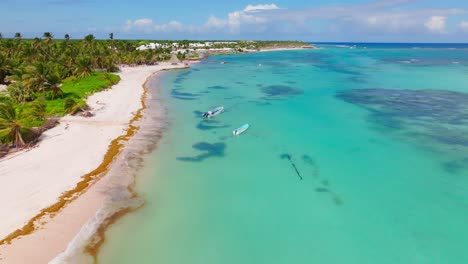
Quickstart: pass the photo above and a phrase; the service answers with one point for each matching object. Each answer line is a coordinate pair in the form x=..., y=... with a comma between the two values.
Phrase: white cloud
x=142, y=24
x=148, y=26
x=436, y=24
x=463, y=25
x=215, y=23
x=251, y=8
x=236, y=22
x=172, y=26
x=377, y=18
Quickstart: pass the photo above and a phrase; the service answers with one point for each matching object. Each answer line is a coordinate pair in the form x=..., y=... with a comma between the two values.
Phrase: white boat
x=240, y=130
x=213, y=112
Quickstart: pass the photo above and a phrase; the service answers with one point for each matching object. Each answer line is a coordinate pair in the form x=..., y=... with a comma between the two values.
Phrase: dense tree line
x=34, y=69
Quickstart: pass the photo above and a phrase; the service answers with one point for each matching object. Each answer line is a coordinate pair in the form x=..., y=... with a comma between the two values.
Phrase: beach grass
x=75, y=92
x=78, y=90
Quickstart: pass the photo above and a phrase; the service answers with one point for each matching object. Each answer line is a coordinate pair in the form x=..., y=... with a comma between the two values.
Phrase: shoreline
x=90, y=196
x=113, y=107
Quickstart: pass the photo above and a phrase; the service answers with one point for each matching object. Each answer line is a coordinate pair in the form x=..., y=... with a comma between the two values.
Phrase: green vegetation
x=48, y=78
x=76, y=91
x=13, y=124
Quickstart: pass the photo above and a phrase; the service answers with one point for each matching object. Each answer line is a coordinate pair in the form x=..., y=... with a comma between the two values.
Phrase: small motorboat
x=213, y=112
x=241, y=129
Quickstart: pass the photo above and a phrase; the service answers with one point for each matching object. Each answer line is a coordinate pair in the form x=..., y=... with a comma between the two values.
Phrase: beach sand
x=34, y=179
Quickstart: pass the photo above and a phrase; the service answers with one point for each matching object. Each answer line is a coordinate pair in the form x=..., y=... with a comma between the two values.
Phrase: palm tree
x=4, y=67
x=47, y=37
x=67, y=37
x=18, y=36
x=11, y=125
x=39, y=108
x=88, y=42
x=53, y=80
x=19, y=93
x=111, y=36
x=84, y=67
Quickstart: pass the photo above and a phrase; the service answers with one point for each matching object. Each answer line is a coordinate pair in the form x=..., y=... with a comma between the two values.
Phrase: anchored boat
x=240, y=130
x=213, y=112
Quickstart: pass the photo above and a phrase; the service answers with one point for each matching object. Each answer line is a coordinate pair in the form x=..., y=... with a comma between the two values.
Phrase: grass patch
x=75, y=91
x=78, y=90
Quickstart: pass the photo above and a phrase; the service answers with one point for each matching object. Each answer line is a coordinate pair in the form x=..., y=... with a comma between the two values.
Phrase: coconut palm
x=39, y=108
x=4, y=67
x=88, y=43
x=11, y=125
x=47, y=37
x=53, y=80
x=84, y=67
x=67, y=37
x=19, y=93
x=18, y=36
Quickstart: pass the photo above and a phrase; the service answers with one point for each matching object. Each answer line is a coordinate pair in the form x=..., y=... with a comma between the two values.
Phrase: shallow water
x=326, y=173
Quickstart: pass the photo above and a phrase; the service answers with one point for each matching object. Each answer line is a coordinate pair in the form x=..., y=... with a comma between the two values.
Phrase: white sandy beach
x=34, y=179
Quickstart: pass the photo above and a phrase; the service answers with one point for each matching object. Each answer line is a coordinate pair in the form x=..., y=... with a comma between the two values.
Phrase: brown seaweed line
x=88, y=179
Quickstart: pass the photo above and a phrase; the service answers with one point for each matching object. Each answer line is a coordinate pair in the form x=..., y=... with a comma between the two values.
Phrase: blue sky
x=326, y=20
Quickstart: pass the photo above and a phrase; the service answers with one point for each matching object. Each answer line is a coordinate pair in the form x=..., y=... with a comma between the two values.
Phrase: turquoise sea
x=355, y=154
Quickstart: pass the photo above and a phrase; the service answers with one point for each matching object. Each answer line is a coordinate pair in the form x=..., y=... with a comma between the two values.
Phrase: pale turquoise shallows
x=380, y=183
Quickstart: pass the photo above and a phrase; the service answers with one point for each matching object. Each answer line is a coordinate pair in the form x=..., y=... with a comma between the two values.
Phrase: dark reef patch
x=175, y=93
x=209, y=150
x=436, y=120
x=455, y=166
x=310, y=161
x=208, y=125
x=278, y=91
x=217, y=87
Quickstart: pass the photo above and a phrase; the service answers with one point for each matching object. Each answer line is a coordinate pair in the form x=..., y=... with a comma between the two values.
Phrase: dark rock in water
x=275, y=91
x=209, y=150
x=285, y=156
